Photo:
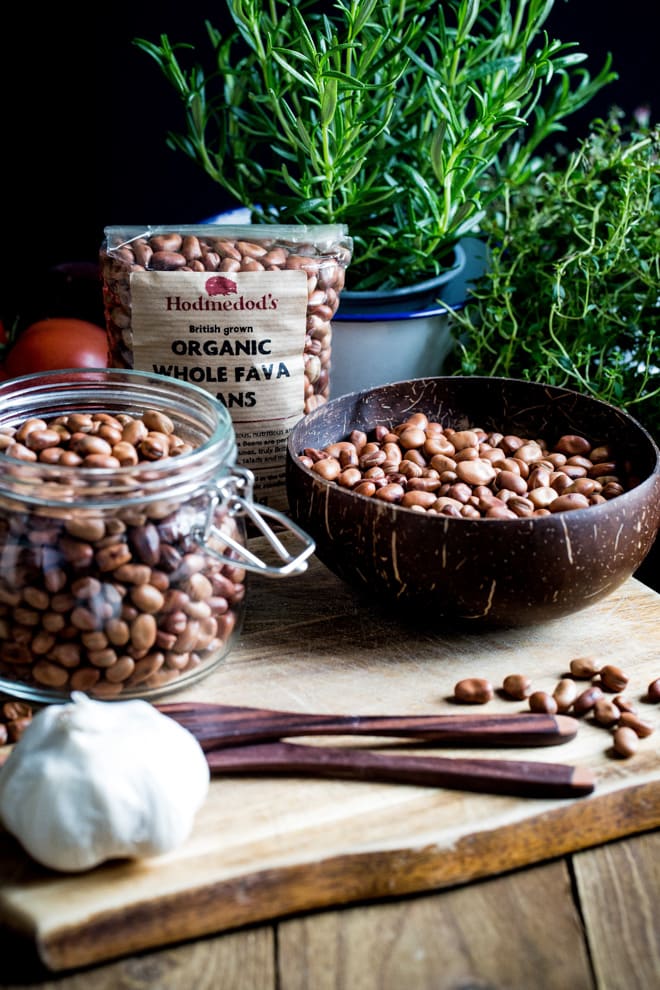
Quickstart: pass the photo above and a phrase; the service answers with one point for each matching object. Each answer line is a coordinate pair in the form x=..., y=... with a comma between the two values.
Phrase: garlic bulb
x=91, y=780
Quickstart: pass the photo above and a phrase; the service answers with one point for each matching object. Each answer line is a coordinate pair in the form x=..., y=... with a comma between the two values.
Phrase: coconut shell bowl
x=480, y=546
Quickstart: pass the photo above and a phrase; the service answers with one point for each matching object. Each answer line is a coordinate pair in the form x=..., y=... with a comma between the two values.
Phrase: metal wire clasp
x=235, y=492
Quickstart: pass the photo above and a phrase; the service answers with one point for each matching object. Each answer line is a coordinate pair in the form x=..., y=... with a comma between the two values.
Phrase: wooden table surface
x=584, y=919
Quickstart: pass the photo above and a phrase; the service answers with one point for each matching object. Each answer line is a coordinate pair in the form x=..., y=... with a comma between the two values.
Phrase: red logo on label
x=218, y=285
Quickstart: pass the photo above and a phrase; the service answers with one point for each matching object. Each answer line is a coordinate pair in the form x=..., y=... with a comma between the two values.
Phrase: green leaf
x=329, y=101
x=436, y=151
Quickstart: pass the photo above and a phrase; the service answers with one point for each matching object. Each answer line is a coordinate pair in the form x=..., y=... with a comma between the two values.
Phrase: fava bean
x=613, y=679
x=541, y=701
x=474, y=691
x=606, y=712
x=511, y=477
x=584, y=668
x=565, y=694
x=517, y=686
x=586, y=700
x=653, y=691
x=626, y=741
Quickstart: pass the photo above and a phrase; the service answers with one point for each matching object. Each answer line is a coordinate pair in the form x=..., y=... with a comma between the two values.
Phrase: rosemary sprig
x=385, y=115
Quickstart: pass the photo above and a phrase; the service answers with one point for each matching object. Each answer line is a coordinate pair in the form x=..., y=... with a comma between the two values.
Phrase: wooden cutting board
x=265, y=848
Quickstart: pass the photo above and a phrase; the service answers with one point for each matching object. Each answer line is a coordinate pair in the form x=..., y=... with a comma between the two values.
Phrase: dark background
x=86, y=115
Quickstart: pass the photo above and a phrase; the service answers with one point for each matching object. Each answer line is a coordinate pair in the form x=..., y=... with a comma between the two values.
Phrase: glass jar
x=123, y=576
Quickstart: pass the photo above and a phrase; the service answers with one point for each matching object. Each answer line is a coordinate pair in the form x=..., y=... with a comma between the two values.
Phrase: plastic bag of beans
x=243, y=311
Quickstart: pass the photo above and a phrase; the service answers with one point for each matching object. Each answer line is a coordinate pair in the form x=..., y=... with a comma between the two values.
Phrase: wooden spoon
x=216, y=725
x=516, y=777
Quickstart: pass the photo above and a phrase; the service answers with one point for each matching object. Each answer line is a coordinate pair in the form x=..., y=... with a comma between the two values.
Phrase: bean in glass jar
x=123, y=537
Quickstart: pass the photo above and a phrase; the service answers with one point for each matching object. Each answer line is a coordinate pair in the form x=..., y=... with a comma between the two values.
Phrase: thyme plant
x=385, y=115
x=571, y=295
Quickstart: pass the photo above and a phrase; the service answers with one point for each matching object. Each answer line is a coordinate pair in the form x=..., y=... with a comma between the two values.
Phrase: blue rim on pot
x=405, y=302
x=393, y=315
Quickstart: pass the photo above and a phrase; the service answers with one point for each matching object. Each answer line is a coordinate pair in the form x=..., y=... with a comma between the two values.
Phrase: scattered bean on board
x=617, y=713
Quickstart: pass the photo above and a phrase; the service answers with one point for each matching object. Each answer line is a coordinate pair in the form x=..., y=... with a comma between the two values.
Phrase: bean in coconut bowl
x=488, y=501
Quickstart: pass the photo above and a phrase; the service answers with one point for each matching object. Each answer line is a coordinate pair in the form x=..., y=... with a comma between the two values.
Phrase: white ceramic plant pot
x=367, y=352
x=383, y=337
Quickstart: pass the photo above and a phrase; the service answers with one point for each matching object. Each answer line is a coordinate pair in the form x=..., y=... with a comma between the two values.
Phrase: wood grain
x=236, y=961
x=268, y=848
x=485, y=935
x=619, y=889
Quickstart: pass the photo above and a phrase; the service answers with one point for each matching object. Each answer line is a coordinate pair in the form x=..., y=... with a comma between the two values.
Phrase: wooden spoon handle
x=225, y=725
x=517, y=777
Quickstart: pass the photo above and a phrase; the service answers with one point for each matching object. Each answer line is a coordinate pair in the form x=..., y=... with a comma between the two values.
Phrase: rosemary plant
x=572, y=292
x=385, y=115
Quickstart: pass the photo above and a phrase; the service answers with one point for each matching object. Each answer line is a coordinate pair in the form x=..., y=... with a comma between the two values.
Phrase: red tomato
x=52, y=344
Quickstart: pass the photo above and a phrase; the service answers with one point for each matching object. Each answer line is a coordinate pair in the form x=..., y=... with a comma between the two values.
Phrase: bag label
x=239, y=336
